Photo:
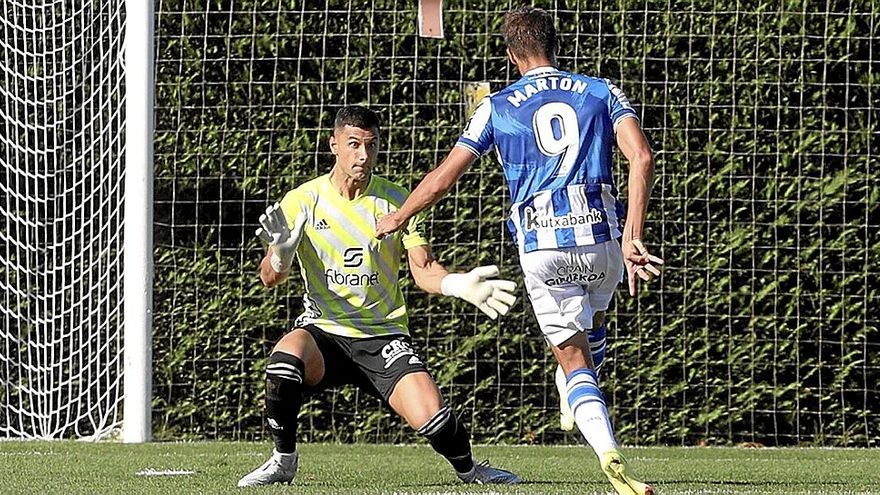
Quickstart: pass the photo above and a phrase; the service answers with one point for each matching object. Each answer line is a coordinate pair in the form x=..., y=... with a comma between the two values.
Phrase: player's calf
x=587, y=404
x=284, y=378
x=566, y=416
x=449, y=438
x=597, y=352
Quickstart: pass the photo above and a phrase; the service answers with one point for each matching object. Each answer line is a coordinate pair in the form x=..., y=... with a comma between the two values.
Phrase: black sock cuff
x=286, y=366
x=437, y=422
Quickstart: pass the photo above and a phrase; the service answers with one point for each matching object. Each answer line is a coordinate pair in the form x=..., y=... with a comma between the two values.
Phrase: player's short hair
x=529, y=31
x=356, y=116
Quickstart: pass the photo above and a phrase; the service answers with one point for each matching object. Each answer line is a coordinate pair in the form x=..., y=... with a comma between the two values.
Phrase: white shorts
x=567, y=285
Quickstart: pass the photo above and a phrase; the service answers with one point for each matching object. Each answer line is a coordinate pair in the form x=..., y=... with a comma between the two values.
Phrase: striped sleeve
x=618, y=105
x=478, y=134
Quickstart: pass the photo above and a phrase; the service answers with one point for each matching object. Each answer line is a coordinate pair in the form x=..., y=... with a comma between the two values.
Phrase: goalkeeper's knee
x=284, y=378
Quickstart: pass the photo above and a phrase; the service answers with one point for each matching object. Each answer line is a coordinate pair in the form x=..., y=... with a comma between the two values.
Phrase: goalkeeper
x=354, y=329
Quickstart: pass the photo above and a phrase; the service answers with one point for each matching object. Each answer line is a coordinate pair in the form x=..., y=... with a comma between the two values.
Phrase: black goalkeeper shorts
x=374, y=364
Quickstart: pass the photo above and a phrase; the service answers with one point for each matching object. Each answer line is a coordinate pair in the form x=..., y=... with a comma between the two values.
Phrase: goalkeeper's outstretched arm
x=480, y=286
x=426, y=270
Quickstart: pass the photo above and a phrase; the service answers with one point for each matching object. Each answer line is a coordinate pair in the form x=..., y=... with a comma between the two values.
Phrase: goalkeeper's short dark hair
x=529, y=32
x=356, y=116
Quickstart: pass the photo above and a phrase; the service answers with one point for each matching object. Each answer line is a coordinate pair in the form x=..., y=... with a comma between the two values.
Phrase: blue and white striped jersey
x=553, y=132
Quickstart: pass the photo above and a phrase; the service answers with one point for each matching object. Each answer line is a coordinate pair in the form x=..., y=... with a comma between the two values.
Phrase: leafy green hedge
x=764, y=326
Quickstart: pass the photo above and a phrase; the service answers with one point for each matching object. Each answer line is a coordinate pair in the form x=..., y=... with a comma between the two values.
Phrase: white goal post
x=138, y=248
x=76, y=249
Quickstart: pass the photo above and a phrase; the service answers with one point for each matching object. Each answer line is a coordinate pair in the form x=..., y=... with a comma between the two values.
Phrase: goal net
x=61, y=191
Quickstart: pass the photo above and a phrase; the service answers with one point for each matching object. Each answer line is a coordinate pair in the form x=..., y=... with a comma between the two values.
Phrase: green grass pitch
x=75, y=467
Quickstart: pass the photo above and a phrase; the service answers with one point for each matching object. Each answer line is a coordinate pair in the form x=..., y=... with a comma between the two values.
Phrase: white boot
x=280, y=468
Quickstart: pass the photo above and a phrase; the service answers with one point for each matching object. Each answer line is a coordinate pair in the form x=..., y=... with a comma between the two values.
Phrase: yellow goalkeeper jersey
x=351, y=278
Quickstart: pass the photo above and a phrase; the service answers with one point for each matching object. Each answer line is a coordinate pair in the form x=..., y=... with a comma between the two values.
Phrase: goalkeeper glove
x=282, y=245
x=492, y=297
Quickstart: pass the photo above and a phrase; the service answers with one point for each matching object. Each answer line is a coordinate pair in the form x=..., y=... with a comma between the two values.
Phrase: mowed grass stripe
x=73, y=467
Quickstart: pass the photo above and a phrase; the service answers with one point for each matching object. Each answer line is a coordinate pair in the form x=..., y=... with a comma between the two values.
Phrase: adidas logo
x=322, y=225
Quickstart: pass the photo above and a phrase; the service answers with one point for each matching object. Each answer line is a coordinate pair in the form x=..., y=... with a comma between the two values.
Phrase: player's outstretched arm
x=433, y=186
x=282, y=243
x=480, y=286
x=640, y=263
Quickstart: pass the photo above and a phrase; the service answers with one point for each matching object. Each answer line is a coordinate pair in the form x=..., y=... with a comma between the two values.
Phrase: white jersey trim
x=623, y=117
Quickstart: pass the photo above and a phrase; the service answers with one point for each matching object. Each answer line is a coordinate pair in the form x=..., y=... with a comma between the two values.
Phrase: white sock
x=590, y=413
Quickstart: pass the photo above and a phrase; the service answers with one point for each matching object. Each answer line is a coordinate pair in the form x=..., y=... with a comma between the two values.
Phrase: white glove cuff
x=448, y=286
x=279, y=264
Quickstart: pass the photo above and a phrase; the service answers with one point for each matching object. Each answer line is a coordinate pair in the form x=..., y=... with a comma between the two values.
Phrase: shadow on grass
x=656, y=483
x=451, y=485
x=750, y=483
